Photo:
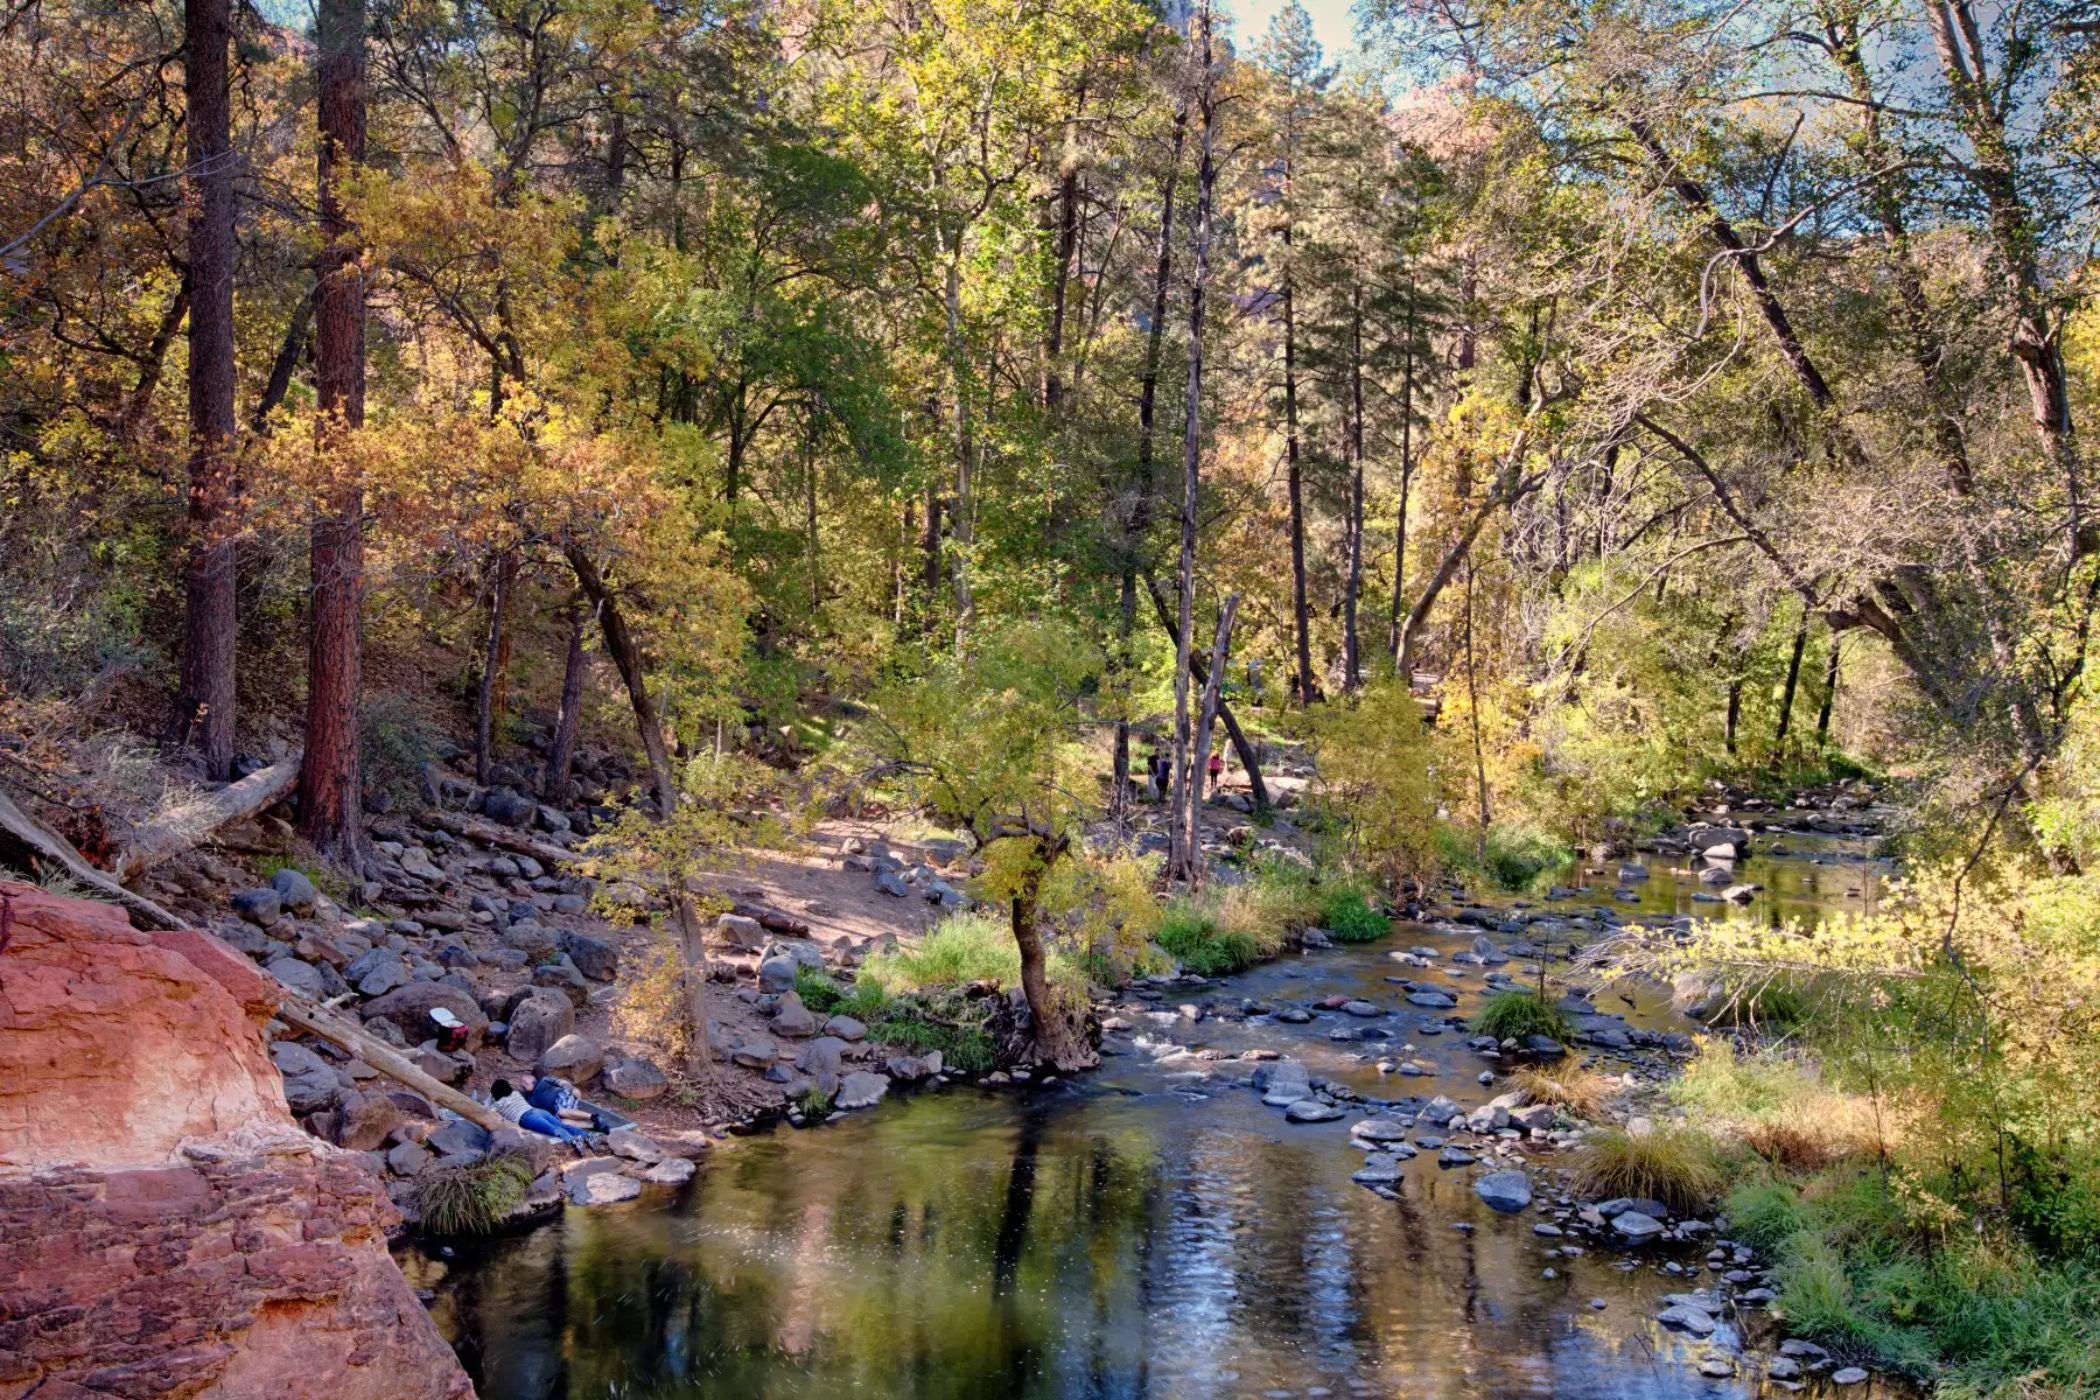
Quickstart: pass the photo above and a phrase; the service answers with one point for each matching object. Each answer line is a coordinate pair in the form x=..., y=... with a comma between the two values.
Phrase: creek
x=1149, y=1229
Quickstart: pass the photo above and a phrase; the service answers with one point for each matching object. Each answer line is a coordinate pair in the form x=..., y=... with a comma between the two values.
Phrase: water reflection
x=1153, y=1232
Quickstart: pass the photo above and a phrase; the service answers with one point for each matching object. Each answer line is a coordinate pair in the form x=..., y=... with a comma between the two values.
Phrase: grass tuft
x=1674, y=1165
x=1515, y=1014
x=1348, y=915
x=474, y=1198
x=1567, y=1085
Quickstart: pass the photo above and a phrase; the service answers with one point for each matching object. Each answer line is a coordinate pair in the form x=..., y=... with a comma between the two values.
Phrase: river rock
x=407, y=1159
x=1379, y=1130
x=508, y=807
x=635, y=1078
x=861, y=1089
x=258, y=906
x=1361, y=1008
x=1634, y=1226
x=634, y=1145
x=1434, y=1000
x=1312, y=1111
x=1687, y=1318
x=758, y=1052
x=741, y=931
x=792, y=1019
x=377, y=972
x=911, y=1069
x=299, y=975
x=671, y=1171
x=1379, y=1169
x=777, y=974
x=1283, y=1083
x=1508, y=1191
x=1849, y=1375
x=603, y=1188
x=846, y=1028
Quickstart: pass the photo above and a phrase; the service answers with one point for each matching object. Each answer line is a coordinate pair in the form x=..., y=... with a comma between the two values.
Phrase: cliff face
x=165, y=1228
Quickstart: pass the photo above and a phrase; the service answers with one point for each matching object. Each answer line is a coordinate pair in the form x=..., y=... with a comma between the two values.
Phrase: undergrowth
x=473, y=1198
x=1517, y=1014
x=1671, y=1164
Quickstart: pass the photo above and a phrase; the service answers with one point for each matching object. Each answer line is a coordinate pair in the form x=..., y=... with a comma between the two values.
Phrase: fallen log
x=489, y=833
x=25, y=835
x=771, y=920
x=190, y=824
x=302, y=1014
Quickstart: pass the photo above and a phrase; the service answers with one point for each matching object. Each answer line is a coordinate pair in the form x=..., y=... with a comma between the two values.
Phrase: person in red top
x=1217, y=771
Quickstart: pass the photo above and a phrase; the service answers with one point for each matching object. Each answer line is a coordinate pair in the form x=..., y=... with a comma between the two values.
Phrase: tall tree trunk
x=961, y=509
x=1793, y=681
x=1067, y=249
x=692, y=958
x=561, y=754
x=495, y=659
x=1138, y=521
x=1242, y=747
x=1353, y=583
x=331, y=783
x=1184, y=861
x=1407, y=474
x=1480, y=772
x=1301, y=621
x=204, y=701
x=809, y=512
x=1199, y=761
x=627, y=657
x=1058, y=1029
x=1830, y=689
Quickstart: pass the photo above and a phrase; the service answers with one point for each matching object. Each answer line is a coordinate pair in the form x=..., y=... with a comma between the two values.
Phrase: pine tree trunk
x=1830, y=689
x=330, y=776
x=1184, y=861
x=1407, y=473
x=1353, y=583
x=204, y=704
x=1138, y=522
x=1199, y=760
x=1301, y=622
x=1793, y=680
x=495, y=657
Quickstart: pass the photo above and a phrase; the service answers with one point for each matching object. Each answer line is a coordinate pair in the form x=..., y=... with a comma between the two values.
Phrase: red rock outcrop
x=165, y=1228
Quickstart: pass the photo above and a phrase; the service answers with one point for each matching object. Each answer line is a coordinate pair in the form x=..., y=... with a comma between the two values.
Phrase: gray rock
x=244, y=937
x=821, y=1056
x=1283, y=1083
x=845, y=1028
x=1435, y=1001
x=1687, y=1318
x=301, y=976
x=1379, y=1169
x=1635, y=1226
x=376, y=972
x=1848, y=1375
x=530, y=937
x=561, y=974
x=792, y=1019
x=576, y=1058
x=537, y=1022
x=634, y=1145
x=297, y=892
x=741, y=931
x=861, y=1089
x=887, y=882
x=635, y=1079
x=1312, y=1111
x=1379, y=1130
x=509, y=807
x=407, y=1158
x=1361, y=1008
x=409, y=1008
x=258, y=906
x=759, y=1052
x=595, y=958
x=415, y=861
x=777, y=974
x=671, y=1171
x=602, y=1188
x=456, y=1137
x=910, y=1069
x=1508, y=1191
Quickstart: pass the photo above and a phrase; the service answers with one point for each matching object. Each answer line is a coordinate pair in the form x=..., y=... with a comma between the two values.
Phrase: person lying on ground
x=514, y=1107
x=558, y=1097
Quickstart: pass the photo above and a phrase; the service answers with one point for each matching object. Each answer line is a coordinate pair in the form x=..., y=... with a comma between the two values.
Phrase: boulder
x=742, y=932
x=635, y=1079
x=1635, y=1226
x=456, y=1137
x=363, y=1121
x=634, y=1145
x=409, y=1008
x=1282, y=1083
x=165, y=1227
x=576, y=1058
x=861, y=1089
x=595, y=958
x=407, y=1159
x=509, y=807
x=1508, y=1191
x=562, y=976
x=258, y=906
x=299, y=975
x=376, y=972
x=792, y=1019
x=777, y=974
x=603, y=1188
x=541, y=1018
x=821, y=1056
x=1311, y=1111
x=845, y=1028
x=297, y=892
x=758, y=1052
x=911, y=1069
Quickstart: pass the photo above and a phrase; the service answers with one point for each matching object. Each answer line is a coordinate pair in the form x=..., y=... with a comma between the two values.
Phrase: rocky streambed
x=1307, y=1180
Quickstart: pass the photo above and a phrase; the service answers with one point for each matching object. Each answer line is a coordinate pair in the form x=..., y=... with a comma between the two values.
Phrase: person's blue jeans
x=538, y=1120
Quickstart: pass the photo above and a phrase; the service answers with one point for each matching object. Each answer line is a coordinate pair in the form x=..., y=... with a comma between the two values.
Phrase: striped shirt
x=513, y=1107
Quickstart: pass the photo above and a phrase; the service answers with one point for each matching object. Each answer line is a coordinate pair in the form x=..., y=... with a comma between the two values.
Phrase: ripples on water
x=1138, y=1234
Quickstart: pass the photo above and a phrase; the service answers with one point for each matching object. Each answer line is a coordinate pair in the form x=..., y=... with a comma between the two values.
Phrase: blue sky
x=1331, y=22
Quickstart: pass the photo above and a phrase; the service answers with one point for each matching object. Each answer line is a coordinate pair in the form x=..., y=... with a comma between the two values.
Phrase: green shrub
x=474, y=1198
x=396, y=740
x=1348, y=915
x=964, y=1048
x=965, y=947
x=1514, y=857
x=1766, y=1213
x=1674, y=1165
x=1517, y=1014
x=1192, y=937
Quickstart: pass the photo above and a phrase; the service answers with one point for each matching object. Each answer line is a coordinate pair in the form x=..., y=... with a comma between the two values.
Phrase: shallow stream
x=1149, y=1230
